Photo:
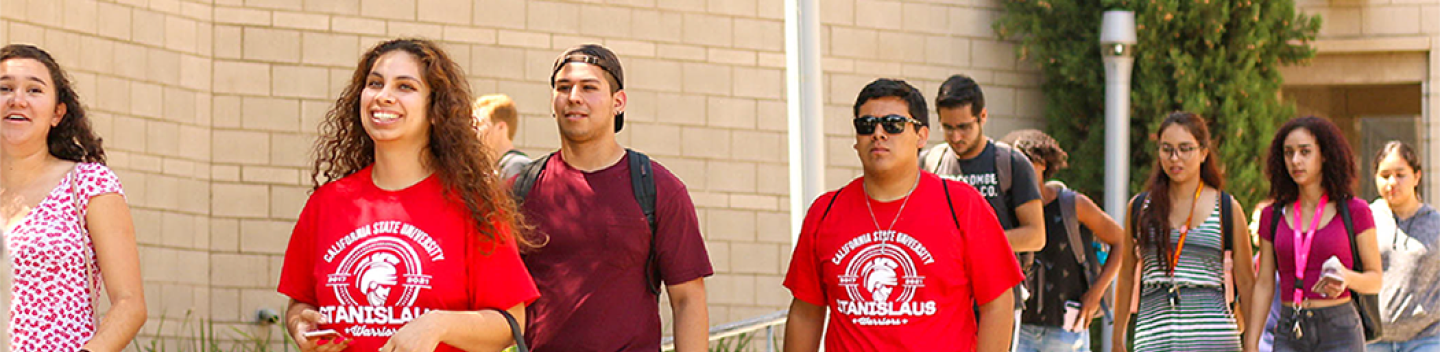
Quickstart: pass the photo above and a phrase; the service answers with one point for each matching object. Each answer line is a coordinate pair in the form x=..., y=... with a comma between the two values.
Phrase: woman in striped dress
x=1181, y=296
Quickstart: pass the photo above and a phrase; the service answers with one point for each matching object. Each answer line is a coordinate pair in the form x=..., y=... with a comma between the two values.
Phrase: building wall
x=208, y=109
x=1384, y=42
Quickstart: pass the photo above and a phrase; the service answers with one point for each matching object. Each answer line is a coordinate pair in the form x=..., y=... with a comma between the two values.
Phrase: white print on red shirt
x=379, y=278
x=876, y=265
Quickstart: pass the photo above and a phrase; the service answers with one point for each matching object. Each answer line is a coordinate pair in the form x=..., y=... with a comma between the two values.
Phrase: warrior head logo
x=377, y=276
x=880, y=278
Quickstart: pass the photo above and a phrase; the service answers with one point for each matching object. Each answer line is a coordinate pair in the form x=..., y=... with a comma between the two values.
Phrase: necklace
x=1174, y=294
x=897, y=213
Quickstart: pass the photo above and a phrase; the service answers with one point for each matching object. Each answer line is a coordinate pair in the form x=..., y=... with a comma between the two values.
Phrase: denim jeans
x=1326, y=329
x=1037, y=338
x=1419, y=344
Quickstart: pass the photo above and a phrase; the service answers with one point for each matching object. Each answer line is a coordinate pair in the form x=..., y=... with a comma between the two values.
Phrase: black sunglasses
x=893, y=123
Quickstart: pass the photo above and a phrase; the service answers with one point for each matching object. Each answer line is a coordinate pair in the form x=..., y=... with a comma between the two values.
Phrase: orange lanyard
x=1185, y=231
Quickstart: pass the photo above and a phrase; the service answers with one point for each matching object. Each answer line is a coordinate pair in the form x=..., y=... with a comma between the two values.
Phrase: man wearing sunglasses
x=875, y=256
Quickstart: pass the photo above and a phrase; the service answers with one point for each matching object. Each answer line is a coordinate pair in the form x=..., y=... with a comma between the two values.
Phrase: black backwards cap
x=601, y=57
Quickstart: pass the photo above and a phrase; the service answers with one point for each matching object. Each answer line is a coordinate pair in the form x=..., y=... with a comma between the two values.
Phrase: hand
x=1089, y=308
x=310, y=320
x=419, y=335
x=1331, y=285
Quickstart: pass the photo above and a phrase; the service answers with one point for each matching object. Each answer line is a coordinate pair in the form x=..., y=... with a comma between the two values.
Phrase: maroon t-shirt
x=1330, y=240
x=591, y=274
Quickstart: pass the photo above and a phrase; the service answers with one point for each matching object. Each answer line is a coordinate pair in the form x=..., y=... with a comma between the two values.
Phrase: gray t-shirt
x=512, y=163
x=1410, y=252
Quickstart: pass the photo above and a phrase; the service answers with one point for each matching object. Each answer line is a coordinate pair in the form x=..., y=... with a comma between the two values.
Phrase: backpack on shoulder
x=1227, y=235
x=1082, y=243
x=1367, y=305
x=642, y=180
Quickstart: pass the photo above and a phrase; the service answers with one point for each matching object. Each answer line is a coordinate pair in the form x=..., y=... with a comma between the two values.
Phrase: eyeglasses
x=1185, y=151
x=893, y=123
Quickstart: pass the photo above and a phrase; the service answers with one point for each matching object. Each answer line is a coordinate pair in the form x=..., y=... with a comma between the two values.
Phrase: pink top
x=1330, y=240
x=55, y=275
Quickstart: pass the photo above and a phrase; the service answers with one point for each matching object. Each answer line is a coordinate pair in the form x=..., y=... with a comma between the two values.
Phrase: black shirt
x=1064, y=278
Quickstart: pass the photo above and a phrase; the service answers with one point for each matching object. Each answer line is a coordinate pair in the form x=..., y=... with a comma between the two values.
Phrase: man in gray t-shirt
x=496, y=122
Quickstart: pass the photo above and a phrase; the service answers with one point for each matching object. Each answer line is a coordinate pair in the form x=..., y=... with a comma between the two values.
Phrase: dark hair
x=959, y=90
x=72, y=139
x=1154, y=220
x=1337, y=167
x=886, y=87
x=601, y=57
x=1039, y=146
x=461, y=162
x=1406, y=152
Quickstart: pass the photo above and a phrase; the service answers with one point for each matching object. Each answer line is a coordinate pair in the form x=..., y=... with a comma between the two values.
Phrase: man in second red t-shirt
x=600, y=273
x=899, y=257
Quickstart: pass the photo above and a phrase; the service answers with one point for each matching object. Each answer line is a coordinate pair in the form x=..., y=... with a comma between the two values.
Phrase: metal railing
x=767, y=322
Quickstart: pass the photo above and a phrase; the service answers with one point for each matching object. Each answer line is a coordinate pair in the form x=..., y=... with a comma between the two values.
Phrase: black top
x=1063, y=277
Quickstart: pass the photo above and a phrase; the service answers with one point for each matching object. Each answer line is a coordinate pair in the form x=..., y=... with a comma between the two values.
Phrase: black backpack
x=642, y=180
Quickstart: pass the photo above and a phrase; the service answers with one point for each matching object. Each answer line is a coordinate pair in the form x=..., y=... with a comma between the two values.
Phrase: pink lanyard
x=1302, y=246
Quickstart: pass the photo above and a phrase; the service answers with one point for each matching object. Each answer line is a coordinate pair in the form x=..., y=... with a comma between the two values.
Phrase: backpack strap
x=1004, y=156
x=1136, y=206
x=1343, y=208
x=946, y=186
x=934, y=156
x=1078, y=246
x=1227, y=227
x=642, y=181
x=525, y=181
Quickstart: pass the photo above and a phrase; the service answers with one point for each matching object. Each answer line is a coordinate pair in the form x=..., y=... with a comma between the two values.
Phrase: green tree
x=1217, y=58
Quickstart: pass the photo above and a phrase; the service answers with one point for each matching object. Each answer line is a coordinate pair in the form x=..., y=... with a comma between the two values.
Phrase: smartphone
x=1072, y=313
x=1327, y=277
x=321, y=333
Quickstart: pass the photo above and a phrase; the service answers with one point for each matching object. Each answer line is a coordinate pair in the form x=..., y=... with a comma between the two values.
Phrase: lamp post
x=1117, y=41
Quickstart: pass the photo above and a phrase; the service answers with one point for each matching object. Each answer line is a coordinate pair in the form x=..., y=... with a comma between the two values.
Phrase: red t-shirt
x=373, y=260
x=1330, y=240
x=592, y=272
x=910, y=289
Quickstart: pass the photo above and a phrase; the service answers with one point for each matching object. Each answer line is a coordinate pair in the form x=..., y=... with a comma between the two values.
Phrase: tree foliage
x=1217, y=58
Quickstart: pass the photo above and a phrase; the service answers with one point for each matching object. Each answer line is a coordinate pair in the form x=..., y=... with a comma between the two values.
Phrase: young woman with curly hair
x=1312, y=180
x=408, y=242
x=1179, y=236
x=66, y=225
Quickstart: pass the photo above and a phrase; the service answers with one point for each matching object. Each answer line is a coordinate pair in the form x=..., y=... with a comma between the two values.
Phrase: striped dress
x=1202, y=321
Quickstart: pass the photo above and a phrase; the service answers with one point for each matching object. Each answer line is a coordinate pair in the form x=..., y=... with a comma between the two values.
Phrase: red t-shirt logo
x=379, y=276
x=880, y=278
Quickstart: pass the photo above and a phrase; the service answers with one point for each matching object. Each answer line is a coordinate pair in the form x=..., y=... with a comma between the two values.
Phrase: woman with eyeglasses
x=1408, y=233
x=1177, y=232
x=1304, y=239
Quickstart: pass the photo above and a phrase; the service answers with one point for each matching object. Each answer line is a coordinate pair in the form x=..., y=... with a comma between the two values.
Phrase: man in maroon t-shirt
x=594, y=293
x=878, y=257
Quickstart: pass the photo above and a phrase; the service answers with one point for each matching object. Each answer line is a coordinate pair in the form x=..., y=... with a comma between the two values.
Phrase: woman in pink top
x=64, y=216
x=1312, y=175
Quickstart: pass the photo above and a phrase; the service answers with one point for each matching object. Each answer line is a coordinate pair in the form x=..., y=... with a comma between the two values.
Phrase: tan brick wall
x=1366, y=26
x=209, y=107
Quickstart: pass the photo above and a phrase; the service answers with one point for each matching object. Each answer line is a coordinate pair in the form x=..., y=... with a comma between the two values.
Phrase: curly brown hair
x=72, y=139
x=1039, y=146
x=1337, y=168
x=462, y=164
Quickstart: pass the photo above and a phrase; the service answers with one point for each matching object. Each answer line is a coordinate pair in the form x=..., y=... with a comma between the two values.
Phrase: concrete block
x=177, y=230
x=853, y=42
x=560, y=42
x=731, y=113
x=771, y=110
x=730, y=289
x=148, y=27
x=731, y=57
x=755, y=258
x=467, y=34
x=682, y=5
x=774, y=178
x=291, y=149
x=701, y=29
x=112, y=21
x=286, y=202
x=993, y=54
x=682, y=109
x=195, y=72
x=356, y=25
x=404, y=29
x=200, y=12
x=524, y=39
x=508, y=14
x=194, y=142
x=112, y=94
x=228, y=42
x=242, y=270
x=754, y=202
x=226, y=111
x=1430, y=18
x=146, y=100
x=270, y=114
x=741, y=8
x=973, y=22
x=268, y=175
x=181, y=34
x=300, y=82
x=630, y=48
x=338, y=7
x=241, y=147
x=705, y=143
x=162, y=67
x=272, y=45
x=388, y=9
x=80, y=16
x=731, y=177
x=242, y=78
x=719, y=256
x=925, y=18
x=771, y=60
x=906, y=47
x=681, y=52
x=759, y=145
x=734, y=226
x=654, y=139
x=497, y=62
x=264, y=236
x=445, y=11
x=225, y=173
x=552, y=17
x=706, y=78
x=878, y=14
x=838, y=12
x=1391, y=20
x=337, y=50
x=755, y=34
x=658, y=75
x=179, y=105
x=656, y=25
x=759, y=83
x=300, y=20
x=605, y=20
x=238, y=16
